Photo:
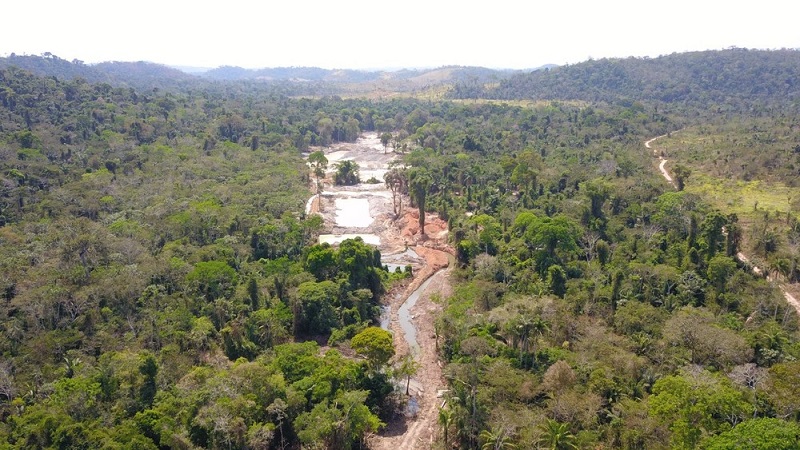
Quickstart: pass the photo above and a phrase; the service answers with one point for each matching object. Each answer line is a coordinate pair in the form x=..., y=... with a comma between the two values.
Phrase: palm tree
x=346, y=173
x=527, y=331
x=419, y=182
x=539, y=327
x=556, y=436
x=406, y=367
x=445, y=420
x=496, y=439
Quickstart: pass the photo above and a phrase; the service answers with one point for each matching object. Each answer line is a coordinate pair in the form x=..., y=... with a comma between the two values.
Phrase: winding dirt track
x=661, y=167
x=740, y=256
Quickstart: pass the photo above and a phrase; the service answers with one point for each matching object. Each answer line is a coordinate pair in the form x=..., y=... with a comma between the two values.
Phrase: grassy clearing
x=745, y=198
x=752, y=149
x=731, y=166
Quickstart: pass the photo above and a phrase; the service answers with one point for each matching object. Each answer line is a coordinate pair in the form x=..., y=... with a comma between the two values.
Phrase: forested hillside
x=141, y=75
x=712, y=79
x=161, y=285
x=150, y=241
x=292, y=81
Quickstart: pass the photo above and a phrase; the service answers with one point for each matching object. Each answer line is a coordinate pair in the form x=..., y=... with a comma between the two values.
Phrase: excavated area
x=410, y=309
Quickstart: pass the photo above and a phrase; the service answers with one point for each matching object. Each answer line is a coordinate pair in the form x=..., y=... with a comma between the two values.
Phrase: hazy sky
x=380, y=34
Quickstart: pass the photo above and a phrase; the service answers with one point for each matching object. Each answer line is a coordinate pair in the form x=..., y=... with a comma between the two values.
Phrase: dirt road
x=793, y=302
x=661, y=166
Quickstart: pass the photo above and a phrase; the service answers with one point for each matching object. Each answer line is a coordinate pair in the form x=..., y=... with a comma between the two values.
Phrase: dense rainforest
x=162, y=286
x=708, y=79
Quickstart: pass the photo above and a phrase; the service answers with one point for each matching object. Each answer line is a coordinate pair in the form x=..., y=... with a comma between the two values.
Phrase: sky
x=354, y=34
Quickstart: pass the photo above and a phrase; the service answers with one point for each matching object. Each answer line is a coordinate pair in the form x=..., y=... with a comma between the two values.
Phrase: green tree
x=213, y=279
x=386, y=138
x=314, y=308
x=603, y=251
x=496, y=439
x=346, y=173
x=321, y=262
x=489, y=231
x=720, y=269
x=784, y=389
x=397, y=182
x=149, y=370
x=375, y=344
x=318, y=163
x=696, y=403
x=445, y=419
x=681, y=174
x=598, y=191
x=711, y=233
x=557, y=436
x=546, y=237
x=339, y=424
x=557, y=280
x=406, y=368
x=419, y=183
x=762, y=434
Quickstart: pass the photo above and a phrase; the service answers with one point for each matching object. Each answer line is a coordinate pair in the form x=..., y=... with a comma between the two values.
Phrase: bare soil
x=401, y=242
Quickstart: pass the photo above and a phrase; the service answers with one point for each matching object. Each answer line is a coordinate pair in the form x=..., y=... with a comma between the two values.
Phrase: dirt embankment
x=420, y=431
x=401, y=242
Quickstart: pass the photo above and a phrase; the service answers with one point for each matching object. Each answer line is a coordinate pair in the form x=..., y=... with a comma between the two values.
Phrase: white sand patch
x=353, y=213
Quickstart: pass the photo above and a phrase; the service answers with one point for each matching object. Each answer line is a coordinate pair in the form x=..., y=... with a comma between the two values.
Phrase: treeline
x=708, y=79
x=292, y=81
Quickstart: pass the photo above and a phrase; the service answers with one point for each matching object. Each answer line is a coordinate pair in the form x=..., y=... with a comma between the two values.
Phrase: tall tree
x=318, y=163
x=681, y=174
x=397, y=182
x=406, y=368
x=420, y=182
x=386, y=138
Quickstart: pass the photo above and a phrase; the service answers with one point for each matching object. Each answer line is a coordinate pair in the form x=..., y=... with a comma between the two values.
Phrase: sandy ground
x=400, y=242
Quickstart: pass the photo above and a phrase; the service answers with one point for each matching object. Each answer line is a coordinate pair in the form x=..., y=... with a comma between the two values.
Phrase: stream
x=366, y=210
x=357, y=211
x=404, y=317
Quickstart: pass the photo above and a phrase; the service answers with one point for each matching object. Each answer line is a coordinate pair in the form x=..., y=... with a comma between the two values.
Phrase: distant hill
x=144, y=74
x=140, y=75
x=49, y=65
x=290, y=80
x=316, y=74
x=288, y=74
x=699, y=77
